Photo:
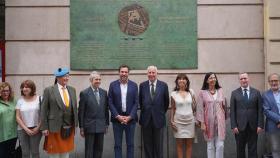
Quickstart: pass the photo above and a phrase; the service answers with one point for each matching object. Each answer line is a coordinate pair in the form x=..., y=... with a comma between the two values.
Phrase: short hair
x=182, y=76
x=93, y=74
x=241, y=73
x=4, y=85
x=269, y=76
x=124, y=66
x=152, y=67
x=28, y=84
x=205, y=85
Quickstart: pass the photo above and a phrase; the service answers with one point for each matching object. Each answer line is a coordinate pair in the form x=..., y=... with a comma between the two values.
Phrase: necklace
x=212, y=91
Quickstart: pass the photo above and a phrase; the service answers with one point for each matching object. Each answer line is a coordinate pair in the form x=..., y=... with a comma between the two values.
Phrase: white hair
x=152, y=67
x=93, y=74
x=276, y=74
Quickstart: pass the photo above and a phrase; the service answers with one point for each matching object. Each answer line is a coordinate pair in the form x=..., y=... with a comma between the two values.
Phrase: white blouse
x=29, y=112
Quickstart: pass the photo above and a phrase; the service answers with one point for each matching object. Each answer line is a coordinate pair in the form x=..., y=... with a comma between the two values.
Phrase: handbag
x=65, y=132
x=17, y=153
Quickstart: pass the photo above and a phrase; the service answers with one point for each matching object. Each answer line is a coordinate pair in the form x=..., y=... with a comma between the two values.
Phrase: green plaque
x=108, y=33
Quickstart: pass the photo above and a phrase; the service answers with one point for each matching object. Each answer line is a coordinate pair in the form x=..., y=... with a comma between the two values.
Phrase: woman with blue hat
x=59, y=116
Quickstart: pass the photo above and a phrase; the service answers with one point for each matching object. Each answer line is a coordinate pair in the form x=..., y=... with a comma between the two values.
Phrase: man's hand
x=82, y=133
x=126, y=119
x=120, y=119
x=45, y=132
x=235, y=130
x=259, y=130
x=106, y=129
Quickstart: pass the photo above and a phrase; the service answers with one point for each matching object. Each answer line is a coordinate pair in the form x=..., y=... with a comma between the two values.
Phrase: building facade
x=233, y=36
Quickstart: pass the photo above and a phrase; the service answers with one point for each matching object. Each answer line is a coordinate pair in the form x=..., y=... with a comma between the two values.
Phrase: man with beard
x=123, y=103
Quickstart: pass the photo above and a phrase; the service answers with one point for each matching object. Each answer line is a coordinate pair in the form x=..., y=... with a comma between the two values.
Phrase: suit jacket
x=52, y=108
x=93, y=117
x=115, y=100
x=243, y=112
x=155, y=108
x=271, y=112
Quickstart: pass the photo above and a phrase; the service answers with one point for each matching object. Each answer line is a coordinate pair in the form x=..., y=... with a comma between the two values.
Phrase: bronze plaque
x=133, y=20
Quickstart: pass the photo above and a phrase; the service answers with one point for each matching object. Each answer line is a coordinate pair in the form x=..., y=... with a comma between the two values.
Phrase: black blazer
x=93, y=118
x=153, y=108
x=244, y=112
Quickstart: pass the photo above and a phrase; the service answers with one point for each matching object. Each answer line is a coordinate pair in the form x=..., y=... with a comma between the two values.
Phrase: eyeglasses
x=274, y=81
x=5, y=91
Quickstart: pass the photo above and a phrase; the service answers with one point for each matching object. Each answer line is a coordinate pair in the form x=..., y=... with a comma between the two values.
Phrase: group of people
x=56, y=114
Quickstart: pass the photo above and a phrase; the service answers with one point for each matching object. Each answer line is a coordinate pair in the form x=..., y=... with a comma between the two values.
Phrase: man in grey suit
x=93, y=116
x=59, y=116
x=154, y=102
x=271, y=105
x=246, y=114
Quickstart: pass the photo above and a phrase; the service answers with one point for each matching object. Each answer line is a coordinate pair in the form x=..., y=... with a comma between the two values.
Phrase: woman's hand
x=173, y=125
x=29, y=131
x=203, y=126
x=36, y=130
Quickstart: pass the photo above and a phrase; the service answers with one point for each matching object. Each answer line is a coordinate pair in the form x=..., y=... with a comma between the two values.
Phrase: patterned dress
x=212, y=111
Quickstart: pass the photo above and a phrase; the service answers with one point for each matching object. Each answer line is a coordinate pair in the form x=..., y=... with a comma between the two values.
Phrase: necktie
x=65, y=98
x=97, y=96
x=152, y=90
x=246, y=94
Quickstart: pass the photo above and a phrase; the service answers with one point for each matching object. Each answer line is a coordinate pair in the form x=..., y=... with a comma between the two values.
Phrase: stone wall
x=230, y=40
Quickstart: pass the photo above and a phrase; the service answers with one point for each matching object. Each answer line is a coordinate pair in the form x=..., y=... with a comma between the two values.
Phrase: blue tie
x=246, y=94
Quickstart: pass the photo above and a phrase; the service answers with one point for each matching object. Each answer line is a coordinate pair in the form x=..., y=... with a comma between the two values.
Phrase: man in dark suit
x=123, y=104
x=154, y=102
x=246, y=114
x=271, y=105
x=93, y=116
x=59, y=116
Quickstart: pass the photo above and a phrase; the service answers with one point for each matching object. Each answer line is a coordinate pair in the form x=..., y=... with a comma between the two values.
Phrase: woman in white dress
x=182, y=115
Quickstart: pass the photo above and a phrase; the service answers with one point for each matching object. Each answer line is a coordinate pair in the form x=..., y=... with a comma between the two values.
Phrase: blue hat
x=61, y=72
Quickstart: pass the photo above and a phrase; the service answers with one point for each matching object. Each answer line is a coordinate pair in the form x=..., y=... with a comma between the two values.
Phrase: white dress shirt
x=155, y=85
x=123, y=93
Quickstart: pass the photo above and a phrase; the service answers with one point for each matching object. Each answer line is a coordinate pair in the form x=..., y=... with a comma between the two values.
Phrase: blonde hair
x=4, y=85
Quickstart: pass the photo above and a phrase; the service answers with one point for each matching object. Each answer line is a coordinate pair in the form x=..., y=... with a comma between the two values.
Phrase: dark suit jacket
x=243, y=112
x=93, y=117
x=153, y=108
x=271, y=112
x=115, y=100
x=53, y=107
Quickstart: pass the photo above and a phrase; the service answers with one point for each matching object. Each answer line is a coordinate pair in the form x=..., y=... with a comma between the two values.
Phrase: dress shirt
x=124, y=93
x=277, y=99
x=155, y=85
x=248, y=91
x=96, y=93
x=61, y=93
